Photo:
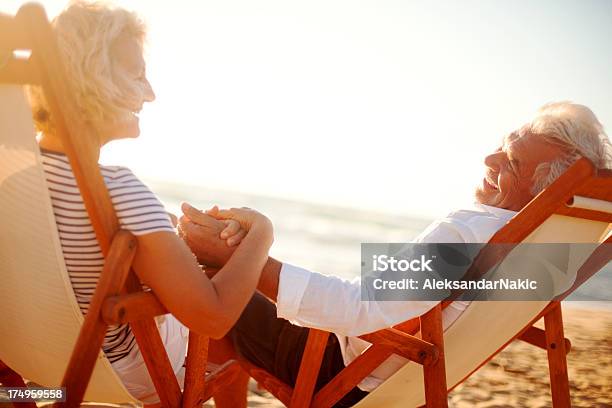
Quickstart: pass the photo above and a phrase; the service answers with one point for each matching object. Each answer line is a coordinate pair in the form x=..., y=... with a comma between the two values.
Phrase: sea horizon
x=326, y=238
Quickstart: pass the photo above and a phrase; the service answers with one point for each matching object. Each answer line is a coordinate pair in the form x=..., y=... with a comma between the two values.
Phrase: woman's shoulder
x=117, y=173
x=139, y=210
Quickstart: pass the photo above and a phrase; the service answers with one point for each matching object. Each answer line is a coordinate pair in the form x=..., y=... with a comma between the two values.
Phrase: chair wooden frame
x=582, y=179
x=30, y=30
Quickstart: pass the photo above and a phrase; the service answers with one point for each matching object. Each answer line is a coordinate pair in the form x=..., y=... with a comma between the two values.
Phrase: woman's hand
x=232, y=234
x=247, y=217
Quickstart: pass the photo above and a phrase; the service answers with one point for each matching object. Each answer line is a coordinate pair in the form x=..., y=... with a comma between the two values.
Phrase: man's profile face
x=510, y=169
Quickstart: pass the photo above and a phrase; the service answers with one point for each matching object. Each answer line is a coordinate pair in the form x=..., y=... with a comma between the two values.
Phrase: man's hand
x=203, y=234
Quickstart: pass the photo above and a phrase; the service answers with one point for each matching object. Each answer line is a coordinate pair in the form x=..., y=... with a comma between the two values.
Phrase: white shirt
x=330, y=303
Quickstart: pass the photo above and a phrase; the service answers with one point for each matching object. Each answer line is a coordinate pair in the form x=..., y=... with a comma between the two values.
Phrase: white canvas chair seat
x=40, y=315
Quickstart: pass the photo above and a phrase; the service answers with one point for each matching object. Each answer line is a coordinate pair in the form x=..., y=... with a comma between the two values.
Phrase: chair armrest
x=405, y=345
x=131, y=307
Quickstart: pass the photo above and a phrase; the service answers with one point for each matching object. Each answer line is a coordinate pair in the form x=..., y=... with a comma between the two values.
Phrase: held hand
x=232, y=233
x=203, y=238
x=247, y=217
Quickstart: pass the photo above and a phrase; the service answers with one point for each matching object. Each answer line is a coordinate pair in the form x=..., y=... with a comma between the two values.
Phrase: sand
x=518, y=376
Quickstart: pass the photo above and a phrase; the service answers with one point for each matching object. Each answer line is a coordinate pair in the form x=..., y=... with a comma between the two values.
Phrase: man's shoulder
x=478, y=212
x=473, y=224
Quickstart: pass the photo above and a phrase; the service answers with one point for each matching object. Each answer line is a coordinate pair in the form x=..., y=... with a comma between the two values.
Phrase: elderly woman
x=102, y=48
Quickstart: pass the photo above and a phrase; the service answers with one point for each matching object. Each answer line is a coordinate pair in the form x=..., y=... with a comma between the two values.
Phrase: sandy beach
x=518, y=376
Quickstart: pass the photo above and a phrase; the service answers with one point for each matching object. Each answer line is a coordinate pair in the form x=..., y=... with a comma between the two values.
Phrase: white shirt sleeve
x=330, y=303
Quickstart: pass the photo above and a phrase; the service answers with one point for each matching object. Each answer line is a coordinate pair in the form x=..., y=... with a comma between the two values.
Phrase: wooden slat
x=91, y=335
x=350, y=376
x=278, y=388
x=157, y=362
x=410, y=347
x=18, y=71
x=195, y=369
x=309, y=368
x=13, y=34
x=585, y=214
x=557, y=362
x=599, y=187
x=411, y=326
x=434, y=373
x=131, y=307
x=537, y=337
x=154, y=354
x=217, y=379
x=79, y=140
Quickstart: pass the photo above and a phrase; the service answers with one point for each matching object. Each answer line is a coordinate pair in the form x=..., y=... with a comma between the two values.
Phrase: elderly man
x=273, y=335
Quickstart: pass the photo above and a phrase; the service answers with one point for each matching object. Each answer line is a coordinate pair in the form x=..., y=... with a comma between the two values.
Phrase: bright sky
x=378, y=104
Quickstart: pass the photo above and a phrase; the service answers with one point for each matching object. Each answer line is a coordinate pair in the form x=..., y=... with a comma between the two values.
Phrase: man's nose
x=493, y=160
x=149, y=95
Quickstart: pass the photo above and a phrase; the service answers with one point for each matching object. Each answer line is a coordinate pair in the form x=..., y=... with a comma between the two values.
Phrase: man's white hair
x=577, y=131
x=85, y=33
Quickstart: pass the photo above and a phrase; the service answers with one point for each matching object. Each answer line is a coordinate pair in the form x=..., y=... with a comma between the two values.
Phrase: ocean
x=327, y=239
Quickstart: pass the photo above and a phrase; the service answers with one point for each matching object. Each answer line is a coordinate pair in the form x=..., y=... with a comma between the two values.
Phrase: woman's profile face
x=128, y=60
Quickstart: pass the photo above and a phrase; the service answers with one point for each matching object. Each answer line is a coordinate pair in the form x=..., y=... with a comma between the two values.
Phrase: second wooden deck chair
x=43, y=335
x=577, y=208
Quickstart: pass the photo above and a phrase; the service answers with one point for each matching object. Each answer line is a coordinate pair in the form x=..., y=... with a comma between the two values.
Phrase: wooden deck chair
x=43, y=334
x=577, y=208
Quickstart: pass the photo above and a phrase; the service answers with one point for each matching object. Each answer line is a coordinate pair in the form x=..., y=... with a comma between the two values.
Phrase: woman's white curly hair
x=577, y=131
x=85, y=33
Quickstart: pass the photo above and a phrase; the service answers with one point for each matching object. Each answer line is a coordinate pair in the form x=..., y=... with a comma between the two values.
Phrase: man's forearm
x=268, y=281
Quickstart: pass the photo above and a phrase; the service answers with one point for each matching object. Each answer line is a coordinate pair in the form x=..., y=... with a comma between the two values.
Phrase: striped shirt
x=138, y=210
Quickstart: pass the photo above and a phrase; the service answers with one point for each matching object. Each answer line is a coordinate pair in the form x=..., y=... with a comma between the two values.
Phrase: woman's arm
x=208, y=306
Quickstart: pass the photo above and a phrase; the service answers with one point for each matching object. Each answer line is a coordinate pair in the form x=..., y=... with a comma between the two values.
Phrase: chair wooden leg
x=557, y=363
x=9, y=378
x=221, y=376
x=195, y=370
x=309, y=368
x=233, y=393
x=436, y=394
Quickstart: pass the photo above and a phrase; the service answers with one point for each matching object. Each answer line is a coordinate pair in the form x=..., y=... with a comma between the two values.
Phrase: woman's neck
x=50, y=142
x=53, y=143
